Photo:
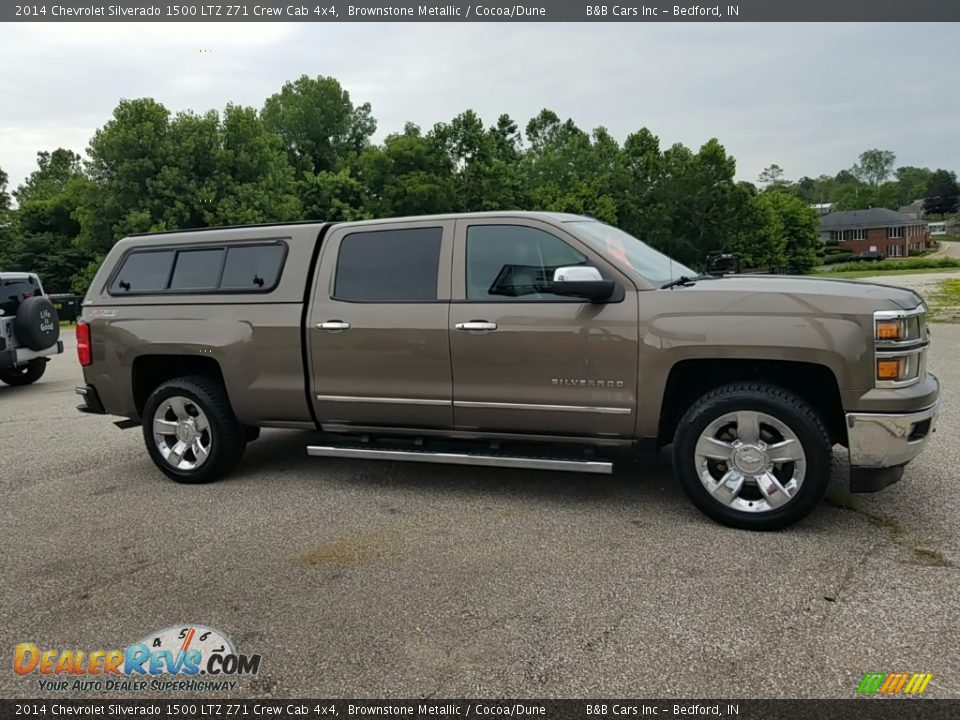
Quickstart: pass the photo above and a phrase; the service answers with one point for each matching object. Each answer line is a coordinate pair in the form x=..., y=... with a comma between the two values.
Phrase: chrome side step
x=461, y=458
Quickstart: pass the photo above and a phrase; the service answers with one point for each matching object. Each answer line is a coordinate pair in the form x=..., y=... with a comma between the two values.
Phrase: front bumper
x=881, y=444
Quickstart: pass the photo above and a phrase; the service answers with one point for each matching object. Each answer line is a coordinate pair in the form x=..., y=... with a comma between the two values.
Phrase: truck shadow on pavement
x=639, y=480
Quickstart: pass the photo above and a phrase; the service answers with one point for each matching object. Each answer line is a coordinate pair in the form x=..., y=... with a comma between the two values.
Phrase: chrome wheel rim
x=750, y=461
x=181, y=432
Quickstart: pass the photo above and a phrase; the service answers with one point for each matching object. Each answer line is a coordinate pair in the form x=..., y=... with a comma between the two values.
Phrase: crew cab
x=511, y=339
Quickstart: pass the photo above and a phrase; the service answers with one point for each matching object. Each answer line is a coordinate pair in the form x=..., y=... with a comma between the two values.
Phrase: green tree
x=318, y=124
x=758, y=235
x=772, y=176
x=875, y=166
x=81, y=280
x=255, y=183
x=48, y=198
x=800, y=230
x=45, y=233
x=54, y=258
x=642, y=208
x=410, y=174
x=485, y=162
x=911, y=183
x=4, y=195
x=151, y=172
x=334, y=196
x=942, y=193
x=308, y=153
x=567, y=170
x=126, y=155
x=187, y=185
x=6, y=225
x=698, y=195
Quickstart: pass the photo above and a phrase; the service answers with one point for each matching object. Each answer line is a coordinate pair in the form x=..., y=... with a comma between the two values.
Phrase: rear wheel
x=753, y=456
x=190, y=430
x=25, y=374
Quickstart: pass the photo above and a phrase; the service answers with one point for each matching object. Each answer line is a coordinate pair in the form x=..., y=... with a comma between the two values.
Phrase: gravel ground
x=929, y=286
x=924, y=283
x=362, y=579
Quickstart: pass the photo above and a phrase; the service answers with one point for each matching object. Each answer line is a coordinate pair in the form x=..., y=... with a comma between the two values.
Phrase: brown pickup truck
x=510, y=339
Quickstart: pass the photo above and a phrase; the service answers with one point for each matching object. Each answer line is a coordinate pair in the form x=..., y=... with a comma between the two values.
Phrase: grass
x=944, y=302
x=893, y=266
x=856, y=274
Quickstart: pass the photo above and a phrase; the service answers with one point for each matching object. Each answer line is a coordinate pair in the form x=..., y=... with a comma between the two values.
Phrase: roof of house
x=872, y=217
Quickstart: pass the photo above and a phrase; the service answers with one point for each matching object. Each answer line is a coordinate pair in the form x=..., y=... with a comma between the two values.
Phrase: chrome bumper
x=884, y=440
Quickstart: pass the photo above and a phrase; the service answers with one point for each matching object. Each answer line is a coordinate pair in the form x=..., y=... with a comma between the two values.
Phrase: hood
x=829, y=295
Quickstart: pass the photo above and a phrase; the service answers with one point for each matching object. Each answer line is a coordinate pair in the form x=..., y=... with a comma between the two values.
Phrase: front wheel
x=753, y=456
x=24, y=374
x=190, y=430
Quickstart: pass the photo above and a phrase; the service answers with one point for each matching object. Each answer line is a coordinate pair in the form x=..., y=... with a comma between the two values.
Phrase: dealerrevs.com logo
x=172, y=659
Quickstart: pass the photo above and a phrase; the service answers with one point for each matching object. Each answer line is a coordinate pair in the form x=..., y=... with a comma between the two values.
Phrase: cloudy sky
x=809, y=97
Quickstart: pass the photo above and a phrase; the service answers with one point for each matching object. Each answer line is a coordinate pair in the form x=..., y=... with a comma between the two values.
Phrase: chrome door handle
x=476, y=326
x=334, y=325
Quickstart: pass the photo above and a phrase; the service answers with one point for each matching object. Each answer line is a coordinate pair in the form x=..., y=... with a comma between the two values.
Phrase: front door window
x=510, y=263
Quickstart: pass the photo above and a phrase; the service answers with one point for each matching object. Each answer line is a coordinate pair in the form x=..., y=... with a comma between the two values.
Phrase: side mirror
x=583, y=282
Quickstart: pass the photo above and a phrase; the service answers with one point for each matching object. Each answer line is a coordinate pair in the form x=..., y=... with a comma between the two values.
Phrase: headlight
x=898, y=369
x=904, y=329
x=900, y=338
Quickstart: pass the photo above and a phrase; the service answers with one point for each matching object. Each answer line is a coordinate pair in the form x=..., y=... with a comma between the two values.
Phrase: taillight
x=83, y=343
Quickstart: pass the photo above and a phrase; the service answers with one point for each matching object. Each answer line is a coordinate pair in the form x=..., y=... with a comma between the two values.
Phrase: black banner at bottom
x=854, y=709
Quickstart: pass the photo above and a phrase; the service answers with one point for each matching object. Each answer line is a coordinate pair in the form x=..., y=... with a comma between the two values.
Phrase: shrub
x=837, y=258
x=899, y=265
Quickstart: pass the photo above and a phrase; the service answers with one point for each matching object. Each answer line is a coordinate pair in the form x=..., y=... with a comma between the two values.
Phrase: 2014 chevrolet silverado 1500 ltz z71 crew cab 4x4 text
x=511, y=339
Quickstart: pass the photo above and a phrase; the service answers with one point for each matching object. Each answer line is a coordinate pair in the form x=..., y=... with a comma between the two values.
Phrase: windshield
x=629, y=253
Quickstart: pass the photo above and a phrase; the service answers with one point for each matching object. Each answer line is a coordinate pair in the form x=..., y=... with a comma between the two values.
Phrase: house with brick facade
x=875, y=229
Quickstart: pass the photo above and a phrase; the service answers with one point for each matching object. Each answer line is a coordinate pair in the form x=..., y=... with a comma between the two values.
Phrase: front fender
x=839, y=343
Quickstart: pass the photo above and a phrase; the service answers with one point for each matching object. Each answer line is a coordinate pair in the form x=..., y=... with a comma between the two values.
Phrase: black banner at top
x=334, y=11
x=453, y=709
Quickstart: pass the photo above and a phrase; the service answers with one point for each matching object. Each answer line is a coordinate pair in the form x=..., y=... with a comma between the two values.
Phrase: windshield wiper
x=684, y=280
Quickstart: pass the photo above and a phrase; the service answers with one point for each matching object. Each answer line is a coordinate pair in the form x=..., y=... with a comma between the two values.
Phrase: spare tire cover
x=37, y=324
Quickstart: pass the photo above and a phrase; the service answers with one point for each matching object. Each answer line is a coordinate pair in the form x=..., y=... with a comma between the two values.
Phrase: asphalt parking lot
x=363, y=579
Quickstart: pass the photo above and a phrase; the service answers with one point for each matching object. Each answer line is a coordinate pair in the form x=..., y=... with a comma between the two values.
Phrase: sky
x=808, y=97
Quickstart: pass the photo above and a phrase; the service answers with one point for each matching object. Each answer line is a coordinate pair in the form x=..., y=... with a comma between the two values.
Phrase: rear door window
x=143, y=272
x=389, y=266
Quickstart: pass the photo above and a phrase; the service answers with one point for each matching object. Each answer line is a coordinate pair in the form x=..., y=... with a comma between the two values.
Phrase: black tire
x=37, y=324
x=226, y=440
x=779, y=404
x=25, y=374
